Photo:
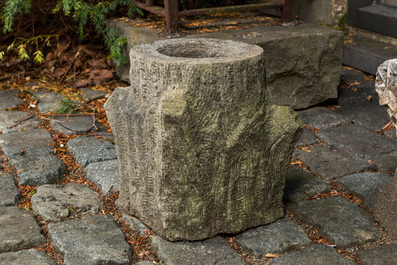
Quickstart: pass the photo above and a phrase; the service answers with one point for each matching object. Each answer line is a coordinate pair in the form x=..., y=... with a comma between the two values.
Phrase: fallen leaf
x=272, y=255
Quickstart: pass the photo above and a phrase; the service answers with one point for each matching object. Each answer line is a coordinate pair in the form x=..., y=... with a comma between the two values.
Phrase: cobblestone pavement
x=338, y=167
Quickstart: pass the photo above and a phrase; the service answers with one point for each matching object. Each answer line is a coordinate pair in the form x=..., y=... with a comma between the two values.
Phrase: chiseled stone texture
x=303, y=63
x=9, y=193
x=202, y=150
x=386, y=86
x=382, y=255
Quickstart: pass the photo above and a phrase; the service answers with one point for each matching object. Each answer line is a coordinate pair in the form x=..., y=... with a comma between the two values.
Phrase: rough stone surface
x=93, y=240
x=135, y=223
x=76, y=125
x=210, y=252
x=322, y=118
x=48, y=101
x=87, y=149
x=331, y=163
x=19, y=230
x=366, y=185
x=187, y=138
x=303, y=63
x=386, y=207
x=104, y=174
x=383, y=255
x=9, y=194
x=301, y=184
x=9, y=99
x=278, y=237
x=9, y=118
x=307, y=138
x=351, y=76
x=26, y=257
x=368, y=114
x=386, y=86
x=89, y=94
x=344, y=223
x=32, y=154
x=359, y=141
x=366, y=90
x=314, y=254
x=54, y=203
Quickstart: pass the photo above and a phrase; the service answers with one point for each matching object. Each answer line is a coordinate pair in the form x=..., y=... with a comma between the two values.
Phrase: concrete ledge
x=303, y=62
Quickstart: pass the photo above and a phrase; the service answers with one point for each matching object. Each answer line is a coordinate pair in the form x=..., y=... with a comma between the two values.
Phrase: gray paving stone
x=346, y=96
x=385, y=162
x=366, y=89
x=76, y=125
x=47, y=100
x=313, y=255
x=307, y=138
x=301, y=184
x=368, y=114
x=135, y=223
x=37, y=140
x=26, y=257
x=344, y=223
x=19, y=230
x=90, y=241
x=382, y=255
x=350, y=76
x=278, y=237
x=358, y=140
x=89, y=94
x=88, y=149
x=104, y=174
x=37, y=168
x=9, y=118
x=9, y=194
x=331, y=163
x=54, y=203
x=323, y=118
x=210, y=252
x=145, y=262
x=9, y=99
x=366, y=185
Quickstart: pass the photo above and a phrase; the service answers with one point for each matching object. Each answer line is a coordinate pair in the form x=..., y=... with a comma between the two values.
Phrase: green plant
x=82, y=12
x=64, y=106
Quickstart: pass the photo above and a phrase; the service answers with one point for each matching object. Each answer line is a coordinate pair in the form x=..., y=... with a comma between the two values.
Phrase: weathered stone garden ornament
x=202, y=150
x=386, y=86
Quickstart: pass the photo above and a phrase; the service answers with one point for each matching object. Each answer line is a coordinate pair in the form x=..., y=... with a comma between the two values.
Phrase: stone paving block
x=135, y=223
x=9, y=99
x=323, y=118
x=37, y=140
x=331, y=163
x=54, y=203
x=210, y=252
x=343, y=222
x=358, y=140
x=104, y=174
x=307, y=138
x=89, y=94
x=88, y=149
x=76, y=125
x=278, y=237
x=26, y=257
x=347, y=96
x=386, y=163
x=313, y=255
x=19, y=230
x=350, y=76
x=9, y=118
x=47, y=100
x=366, y=185
x=382, y=255
x=301, y=184
x=9, y=193
x=38, y=168
x=90, y=241
x=368, y=114
x=366, y=89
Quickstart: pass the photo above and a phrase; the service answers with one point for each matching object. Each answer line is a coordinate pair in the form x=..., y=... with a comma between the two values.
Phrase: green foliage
x=64, y=106
x=83, y=14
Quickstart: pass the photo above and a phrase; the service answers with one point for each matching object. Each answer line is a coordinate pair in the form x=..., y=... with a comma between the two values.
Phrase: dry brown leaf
x=272, y=255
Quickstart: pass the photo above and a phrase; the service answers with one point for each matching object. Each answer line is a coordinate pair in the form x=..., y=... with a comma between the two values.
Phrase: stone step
x=378, y=18
x=366, y=54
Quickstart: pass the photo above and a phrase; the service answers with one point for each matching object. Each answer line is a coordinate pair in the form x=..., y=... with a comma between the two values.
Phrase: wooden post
x=171, y=15
x=286, y=11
